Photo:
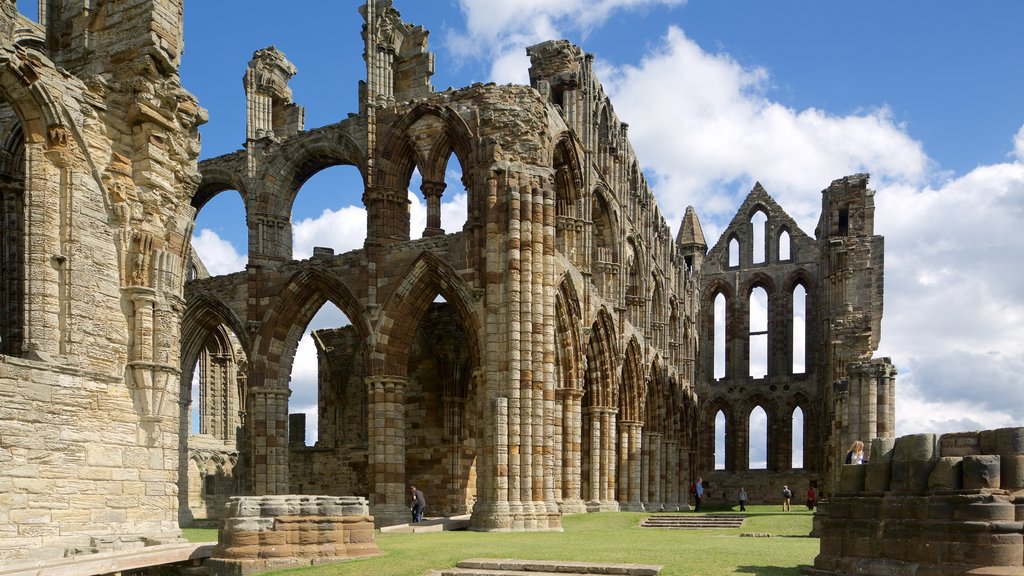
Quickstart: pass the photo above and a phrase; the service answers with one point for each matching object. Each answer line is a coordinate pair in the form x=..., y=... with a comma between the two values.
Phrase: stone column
x=386, y=458
x=608, y=421
x=596, y=433
x=268, y=410
x=654, y=497
x=432, y=192
x=633, y=468
x=669, y=474
x=572, y=430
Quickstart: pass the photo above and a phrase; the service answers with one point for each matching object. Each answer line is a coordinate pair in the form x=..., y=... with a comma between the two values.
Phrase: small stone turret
x=269, y=108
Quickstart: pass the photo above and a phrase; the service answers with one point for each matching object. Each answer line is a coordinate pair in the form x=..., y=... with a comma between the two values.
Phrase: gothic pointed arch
x=204, y=315
x=602, y=352
x=760, y=280
x=299, y=300
x=706, y=433
x=403, y=155
x=569, y=354
x=425, y=278
x=633, y=384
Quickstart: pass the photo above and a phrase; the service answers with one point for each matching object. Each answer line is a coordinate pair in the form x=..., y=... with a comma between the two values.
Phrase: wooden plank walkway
x=111, y=562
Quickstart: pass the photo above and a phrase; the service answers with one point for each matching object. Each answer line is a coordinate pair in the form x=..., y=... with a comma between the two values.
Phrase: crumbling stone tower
x=797, y=321
x=557, y=374
x=98, y=167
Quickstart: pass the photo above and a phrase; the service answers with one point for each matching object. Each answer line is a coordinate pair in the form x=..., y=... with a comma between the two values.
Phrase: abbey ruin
x=556, y=354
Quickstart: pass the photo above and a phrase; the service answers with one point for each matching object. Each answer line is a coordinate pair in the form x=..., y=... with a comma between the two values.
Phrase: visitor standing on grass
x=419, y=502
x=699, y=493
x=786, y=495
x=743, y=499
x=812, y=498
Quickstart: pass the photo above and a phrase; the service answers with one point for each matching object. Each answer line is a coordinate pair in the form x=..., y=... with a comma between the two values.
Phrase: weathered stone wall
x=842, y=393
x=926, y=504
x=581, y=314
x=762, y=486
x=100, y=165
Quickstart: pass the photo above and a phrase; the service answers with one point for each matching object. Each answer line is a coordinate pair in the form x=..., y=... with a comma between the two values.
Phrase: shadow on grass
x=768, y=570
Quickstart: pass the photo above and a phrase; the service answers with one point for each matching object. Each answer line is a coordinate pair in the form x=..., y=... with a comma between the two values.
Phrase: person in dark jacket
x=419, y=503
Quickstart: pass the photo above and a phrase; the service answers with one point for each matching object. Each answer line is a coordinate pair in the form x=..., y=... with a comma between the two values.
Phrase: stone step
x=514, y=567
x=443, y=524
x=693, y=522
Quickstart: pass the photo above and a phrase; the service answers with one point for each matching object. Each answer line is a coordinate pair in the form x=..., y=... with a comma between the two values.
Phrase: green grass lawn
x=606, y=537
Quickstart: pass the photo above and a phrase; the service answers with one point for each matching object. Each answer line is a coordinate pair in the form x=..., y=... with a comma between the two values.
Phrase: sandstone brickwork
x=98, y=170
x=925, y=504
x=548, y=357
x=261, y=533
x=568, y=367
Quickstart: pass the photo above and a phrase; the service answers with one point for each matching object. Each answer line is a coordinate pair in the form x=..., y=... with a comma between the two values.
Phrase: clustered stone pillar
x=269, y=431
x=386, y=407
x=603, y=464
x=632, y=452
x=572, y=424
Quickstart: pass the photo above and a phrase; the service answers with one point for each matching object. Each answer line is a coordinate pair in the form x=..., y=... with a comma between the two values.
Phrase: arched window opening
x=799, y=329
x=720, y=440
x=758, y=332
x=844, y=221
x=603, y=254
x=324, y=359
x=734, y=252
x=759, y=222
x=12, y=232
x=758, y=436
x=440, y=207
x=439, y=430
x=218, y=390
x=567, y=216
x=220, y=237
x=797, y=460
x=720, y=343
x=328, y=212
x=784, y=250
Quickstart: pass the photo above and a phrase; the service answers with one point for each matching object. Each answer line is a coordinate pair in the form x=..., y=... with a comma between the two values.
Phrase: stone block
x=878, y=475
x=911, y=476
x=1012, y=471
x=881, y=450
x=1009, y=441
x=915, y=447
x=851, y=478
x=981, y=472
x=947, y=474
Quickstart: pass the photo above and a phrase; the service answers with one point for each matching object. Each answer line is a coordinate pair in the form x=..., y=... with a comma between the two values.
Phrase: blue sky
x=924, y=95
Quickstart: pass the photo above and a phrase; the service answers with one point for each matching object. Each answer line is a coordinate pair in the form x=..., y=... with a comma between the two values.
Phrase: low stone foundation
x=270, y=532
x=928, y=506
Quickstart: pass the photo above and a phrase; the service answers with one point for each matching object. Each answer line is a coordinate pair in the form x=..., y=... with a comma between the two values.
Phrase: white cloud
x=219, y=256
x=501, y=31
x=705, y=131
x=343, y=229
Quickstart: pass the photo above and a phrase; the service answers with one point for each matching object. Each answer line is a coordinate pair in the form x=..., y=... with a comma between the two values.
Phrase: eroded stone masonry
x=568, y=366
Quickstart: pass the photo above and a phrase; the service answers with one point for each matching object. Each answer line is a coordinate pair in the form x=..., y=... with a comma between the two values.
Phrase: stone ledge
x=517, y=567
x=111, y=562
